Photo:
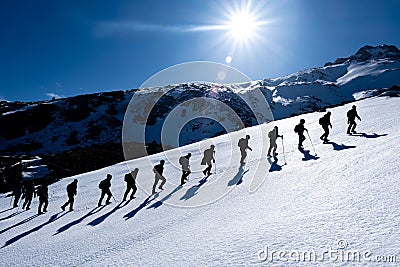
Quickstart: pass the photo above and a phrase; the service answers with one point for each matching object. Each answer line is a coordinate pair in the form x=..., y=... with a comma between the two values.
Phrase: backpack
x=70, y=189
x=321, y=120
x=241, y=142
x=181, y=160
x=296, y=128
x=270, y=134
x=101, y=184
x=349, y=114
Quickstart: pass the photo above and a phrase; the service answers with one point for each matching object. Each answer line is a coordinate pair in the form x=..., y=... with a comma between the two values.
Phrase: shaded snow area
x=343, y=200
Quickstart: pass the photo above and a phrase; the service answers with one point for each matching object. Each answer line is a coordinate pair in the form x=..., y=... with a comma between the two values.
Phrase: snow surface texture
x=348, y=192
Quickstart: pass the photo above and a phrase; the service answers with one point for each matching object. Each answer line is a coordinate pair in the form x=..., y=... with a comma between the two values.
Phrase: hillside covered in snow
x=65, y=131
x=339, y=199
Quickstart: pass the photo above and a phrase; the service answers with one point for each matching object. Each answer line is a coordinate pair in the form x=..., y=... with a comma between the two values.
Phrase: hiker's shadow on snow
x=20, y=223
x=146, y=202
x=52, y=219
x=11, y=215
x=307, y=155
x=238, y=178
x=339, y=147
x=192, y=191
x=5, y=210
x=374, y=135
x=101, y=219
x=69, y=225
x=160, y=202
x=275, y=167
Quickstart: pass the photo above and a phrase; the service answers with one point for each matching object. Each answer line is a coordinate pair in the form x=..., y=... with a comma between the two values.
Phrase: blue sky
x=66, y=48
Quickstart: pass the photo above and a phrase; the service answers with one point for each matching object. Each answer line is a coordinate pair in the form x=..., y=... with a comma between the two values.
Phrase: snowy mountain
x=65, y=131
x=332, y=204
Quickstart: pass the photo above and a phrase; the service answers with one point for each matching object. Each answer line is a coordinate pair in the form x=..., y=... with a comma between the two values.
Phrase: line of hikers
x=208, y=159
x=27, y=192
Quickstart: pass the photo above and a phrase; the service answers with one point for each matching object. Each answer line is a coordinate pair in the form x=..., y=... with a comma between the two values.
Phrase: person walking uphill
x=184, y=161
x=351, y=119
x=299, y=129
x=243, y=144
x=158, y=170
x=17, y=191
x=28, y=190
x=130, y=179
x=105, y=190
x=16, y=172
x=208, y=159
x=325, y=122
x=71, y=192
x=43, y=193
x=273, y=135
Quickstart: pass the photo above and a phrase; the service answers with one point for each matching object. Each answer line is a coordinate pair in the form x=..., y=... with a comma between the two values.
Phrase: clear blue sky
x=75, y=47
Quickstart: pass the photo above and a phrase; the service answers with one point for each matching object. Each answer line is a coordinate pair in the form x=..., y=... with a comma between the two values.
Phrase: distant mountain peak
x=369, y=52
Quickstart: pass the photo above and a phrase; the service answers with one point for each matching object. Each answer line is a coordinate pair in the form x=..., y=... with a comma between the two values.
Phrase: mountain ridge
x=92, y=124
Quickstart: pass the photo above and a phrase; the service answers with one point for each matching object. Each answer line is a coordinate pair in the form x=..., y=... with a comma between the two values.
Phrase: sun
x=242, y=25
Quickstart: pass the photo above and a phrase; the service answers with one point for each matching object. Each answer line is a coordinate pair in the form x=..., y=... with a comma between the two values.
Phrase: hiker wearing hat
x=105, y=189
x=208, y=159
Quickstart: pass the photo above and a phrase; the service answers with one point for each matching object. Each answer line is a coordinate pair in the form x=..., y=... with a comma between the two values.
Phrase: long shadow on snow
x=275, y=167
x=5, y=210
x=20, y=223
x=307, y=155
x=339, y=147
x=374, y=135
x=146, y=202
x=11, y=215
x=69, y=225
x=238, y=178
x=160, y=202
x=104, y=216
x=191, y=192
x=53, y=218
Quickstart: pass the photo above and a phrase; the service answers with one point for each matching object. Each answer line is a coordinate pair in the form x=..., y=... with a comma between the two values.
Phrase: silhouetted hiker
x=71, y=192
x=325, y=122
x=28, y=190
x=130, y=179
x=351, y=119
x=184, y=161
x=158, y=170
x=17, y=191
x=243, y=145
x=43, y=193
x=105, y=189
x=299, y=129
x=208, y=159
x=273, y=135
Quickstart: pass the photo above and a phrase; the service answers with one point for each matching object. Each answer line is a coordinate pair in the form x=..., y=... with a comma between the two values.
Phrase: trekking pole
x=311, y=143
x=283, y=148
x=215, y=164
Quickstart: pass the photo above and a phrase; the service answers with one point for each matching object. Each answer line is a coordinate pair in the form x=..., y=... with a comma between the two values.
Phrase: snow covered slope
x=346, y=196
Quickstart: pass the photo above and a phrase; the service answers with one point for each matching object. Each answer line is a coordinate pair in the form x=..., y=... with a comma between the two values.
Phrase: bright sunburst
x=242, y=24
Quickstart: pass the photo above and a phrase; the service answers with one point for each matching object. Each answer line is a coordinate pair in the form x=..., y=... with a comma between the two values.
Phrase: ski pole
x=215, y=164
x=311, y=143
x=283, y=148
x=114, y=198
